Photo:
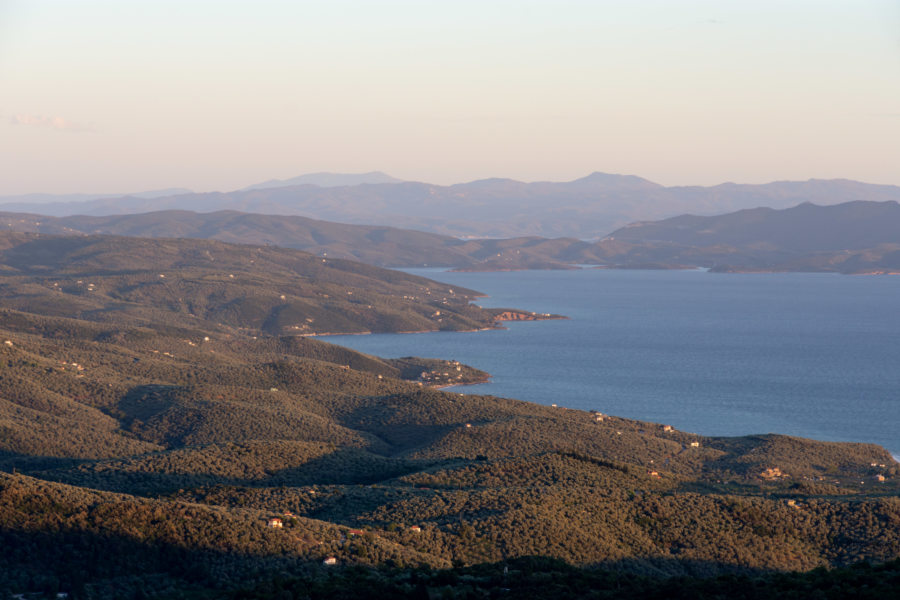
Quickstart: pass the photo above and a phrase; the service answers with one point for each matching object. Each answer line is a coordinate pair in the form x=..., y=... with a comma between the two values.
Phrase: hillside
x=375, y=245
x=587, y=208
x=143, y=452
x=275, y=290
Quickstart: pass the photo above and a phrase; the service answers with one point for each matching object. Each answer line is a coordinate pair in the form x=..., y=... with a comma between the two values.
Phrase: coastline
x=727, y=269
x=398, y=332
x=504, y=316
x=607, y=305
x=501, y=315
x=444, y=388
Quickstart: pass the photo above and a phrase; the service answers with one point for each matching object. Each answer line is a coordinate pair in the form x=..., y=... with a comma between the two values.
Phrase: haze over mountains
x=28, y=201
x=586, y=208
x=327, y=180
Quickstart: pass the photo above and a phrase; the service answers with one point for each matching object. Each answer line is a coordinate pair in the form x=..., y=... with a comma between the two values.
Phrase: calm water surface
x=813, y=355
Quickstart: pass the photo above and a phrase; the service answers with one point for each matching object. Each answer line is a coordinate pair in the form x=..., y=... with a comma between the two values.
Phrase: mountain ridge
x=586, y=208
x=22, y=201
x=327, y=179
x=852, y=237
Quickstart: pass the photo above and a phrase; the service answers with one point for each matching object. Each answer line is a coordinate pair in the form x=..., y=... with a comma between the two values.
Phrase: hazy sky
x=116, y=96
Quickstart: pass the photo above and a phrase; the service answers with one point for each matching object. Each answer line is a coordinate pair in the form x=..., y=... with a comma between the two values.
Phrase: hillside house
x=772, y=473
x=415, y=529
x=275, y=523
x=331, y=560
x=695, y=444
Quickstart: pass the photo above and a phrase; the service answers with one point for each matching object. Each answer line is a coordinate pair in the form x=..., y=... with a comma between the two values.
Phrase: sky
x=113, y=96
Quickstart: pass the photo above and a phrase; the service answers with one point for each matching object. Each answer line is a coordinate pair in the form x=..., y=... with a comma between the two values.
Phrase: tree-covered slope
x=143, y=451
x=255, y=288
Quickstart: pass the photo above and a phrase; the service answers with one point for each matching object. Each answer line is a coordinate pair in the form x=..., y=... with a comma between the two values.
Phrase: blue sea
x=805, y=354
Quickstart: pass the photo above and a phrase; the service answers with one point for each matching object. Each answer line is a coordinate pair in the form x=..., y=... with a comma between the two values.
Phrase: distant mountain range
x=853, y=237
x=327, y=180
x=56, y=203
x=28, y=201
x=587, y=208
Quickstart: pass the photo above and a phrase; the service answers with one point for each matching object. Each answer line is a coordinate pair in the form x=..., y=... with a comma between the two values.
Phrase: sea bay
x=806, y=354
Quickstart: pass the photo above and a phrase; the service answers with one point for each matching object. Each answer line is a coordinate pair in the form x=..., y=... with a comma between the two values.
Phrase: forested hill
x=181, y=282
x=152, y=430
x=147, y=461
